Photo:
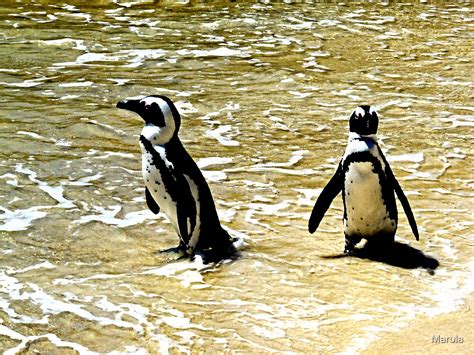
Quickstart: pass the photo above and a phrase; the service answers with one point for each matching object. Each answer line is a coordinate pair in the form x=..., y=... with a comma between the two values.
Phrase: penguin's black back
x=212, y=234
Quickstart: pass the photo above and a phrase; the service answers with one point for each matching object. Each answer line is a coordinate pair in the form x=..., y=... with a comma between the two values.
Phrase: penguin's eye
x=153, y=106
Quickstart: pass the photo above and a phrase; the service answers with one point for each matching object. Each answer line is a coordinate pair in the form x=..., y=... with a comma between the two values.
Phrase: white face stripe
x=372, y=111
x=359, y=111
x=164, y=107
x=159, y=135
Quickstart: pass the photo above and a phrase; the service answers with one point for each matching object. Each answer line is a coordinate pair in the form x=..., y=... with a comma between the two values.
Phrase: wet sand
x=265, y=91
x=456, y=329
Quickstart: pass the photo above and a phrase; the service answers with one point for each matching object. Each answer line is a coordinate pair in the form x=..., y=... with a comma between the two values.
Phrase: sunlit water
x=265, y=93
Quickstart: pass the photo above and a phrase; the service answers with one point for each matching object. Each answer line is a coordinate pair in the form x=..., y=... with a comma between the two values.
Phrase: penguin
x=173, y=182
x=368, y=188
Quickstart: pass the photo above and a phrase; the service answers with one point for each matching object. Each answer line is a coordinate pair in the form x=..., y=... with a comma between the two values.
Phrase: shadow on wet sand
x=398, y=254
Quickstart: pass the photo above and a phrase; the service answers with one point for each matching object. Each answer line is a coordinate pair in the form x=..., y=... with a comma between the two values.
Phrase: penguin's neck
x=360, y=143
x=159, y=136
x=370, y=138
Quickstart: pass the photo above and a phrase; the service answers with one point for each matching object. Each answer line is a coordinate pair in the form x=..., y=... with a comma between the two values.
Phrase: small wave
x=20, y=219
x=188, y=272
x=226, y=140
x=217, y=52
x=42, y=265
x=414, y=158
x=54, y=192
x=108, y=216
x=65, y=43
x=27, y=341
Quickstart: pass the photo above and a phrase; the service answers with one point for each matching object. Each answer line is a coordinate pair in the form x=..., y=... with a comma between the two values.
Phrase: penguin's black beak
x=131, y=105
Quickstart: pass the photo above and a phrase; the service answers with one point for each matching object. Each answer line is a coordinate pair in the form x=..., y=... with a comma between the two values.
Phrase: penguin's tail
x=222, y=247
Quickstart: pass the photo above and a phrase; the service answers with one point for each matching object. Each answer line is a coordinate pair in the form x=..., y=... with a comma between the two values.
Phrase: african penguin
x=367, y=184
x=173, y=182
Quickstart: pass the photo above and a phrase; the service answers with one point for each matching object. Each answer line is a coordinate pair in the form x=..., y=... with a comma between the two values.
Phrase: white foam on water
x=58, y=142
x=78, y=84
x=107, y=216
x=448, y=291
x=90, y=58
x=118, y=81
x=51, y=306
x=77, y=281
x=10, y=333
x=42, y=265
x=309, y=196
x=27, y=340
x=214, y=175
x=107, y=155
x=101, y=124
x=138, y=56
x=32, y=135
x=10, y=286
x=29, y=83
x=462, y=121
x=449, y=294
x=218, y=52
x=209, y=161
x=281, y=168
x=414, y=157
x=84, y=181
x=65, y=43
x=265, y=208
x=300, y=95
x=11, y=179
x=188, y=272
x=127, y=310
x=185, y=107
x=55, y=193
x=219, y=134
x=296, y=156
x=19, y=219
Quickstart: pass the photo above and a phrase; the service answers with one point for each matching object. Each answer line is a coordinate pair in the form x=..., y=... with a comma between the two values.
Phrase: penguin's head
x=364, y=121
x=158, y=112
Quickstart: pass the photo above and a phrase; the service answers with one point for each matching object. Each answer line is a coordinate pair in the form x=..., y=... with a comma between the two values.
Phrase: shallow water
x=265, y=92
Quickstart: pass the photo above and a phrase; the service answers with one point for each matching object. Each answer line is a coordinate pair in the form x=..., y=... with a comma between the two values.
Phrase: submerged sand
x=451, y=333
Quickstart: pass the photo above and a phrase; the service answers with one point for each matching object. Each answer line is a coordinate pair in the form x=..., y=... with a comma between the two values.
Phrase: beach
x=451, y=333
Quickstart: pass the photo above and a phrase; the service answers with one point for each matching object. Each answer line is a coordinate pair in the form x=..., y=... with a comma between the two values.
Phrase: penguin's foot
x=216, y=254
x=180, y=249
x=349, y=250
x=351, y=242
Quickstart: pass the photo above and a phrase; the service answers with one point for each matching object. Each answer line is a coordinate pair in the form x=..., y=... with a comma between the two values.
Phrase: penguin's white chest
x=366, y=212
x=156, y=186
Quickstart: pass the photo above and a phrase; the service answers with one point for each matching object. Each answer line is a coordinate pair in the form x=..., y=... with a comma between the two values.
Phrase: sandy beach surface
x=451, y=333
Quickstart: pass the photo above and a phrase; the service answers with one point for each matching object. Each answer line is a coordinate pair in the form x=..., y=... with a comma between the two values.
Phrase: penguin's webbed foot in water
x=213, y=256
x=180, y=249
x=219, y=253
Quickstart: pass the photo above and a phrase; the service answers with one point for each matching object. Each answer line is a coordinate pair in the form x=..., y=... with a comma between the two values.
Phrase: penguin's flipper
x=406, y=206
x=150, y=201
x=401, y=195
x=186, y=209
x=183, y=222
x=330, y=191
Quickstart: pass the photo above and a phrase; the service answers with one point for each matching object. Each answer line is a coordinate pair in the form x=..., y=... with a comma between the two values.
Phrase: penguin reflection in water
x=174, y=184
x=367, y=184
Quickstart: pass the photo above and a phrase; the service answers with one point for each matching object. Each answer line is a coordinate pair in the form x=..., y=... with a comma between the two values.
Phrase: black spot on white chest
x=155, y=174
x=365, y=208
